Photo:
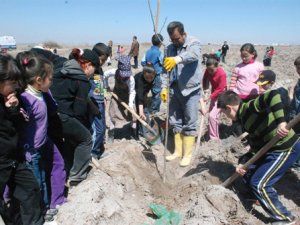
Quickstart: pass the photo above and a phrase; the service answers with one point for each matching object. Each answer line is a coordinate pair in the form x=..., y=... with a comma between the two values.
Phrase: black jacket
x=70, y=89
x=142, y=88
x=9, y=152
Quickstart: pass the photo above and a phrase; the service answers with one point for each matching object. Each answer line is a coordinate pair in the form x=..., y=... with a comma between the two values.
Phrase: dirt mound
x=130, y=179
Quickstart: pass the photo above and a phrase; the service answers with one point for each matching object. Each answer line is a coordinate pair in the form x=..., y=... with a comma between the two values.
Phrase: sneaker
x=293, y=221
x=50, y=213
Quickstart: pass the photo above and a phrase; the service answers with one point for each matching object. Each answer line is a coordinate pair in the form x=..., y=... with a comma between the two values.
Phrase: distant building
x=7, y=42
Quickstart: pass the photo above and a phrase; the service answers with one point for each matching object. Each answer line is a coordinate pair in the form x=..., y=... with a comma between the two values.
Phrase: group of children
x=53, y=118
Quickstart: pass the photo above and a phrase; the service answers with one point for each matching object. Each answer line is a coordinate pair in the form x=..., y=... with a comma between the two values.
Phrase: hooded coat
x=70, y=89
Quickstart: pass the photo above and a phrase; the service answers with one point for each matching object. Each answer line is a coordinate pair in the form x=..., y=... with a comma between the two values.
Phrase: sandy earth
x=130, y=178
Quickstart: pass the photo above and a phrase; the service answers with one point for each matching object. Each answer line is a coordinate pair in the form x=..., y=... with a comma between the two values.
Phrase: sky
x=91, y=21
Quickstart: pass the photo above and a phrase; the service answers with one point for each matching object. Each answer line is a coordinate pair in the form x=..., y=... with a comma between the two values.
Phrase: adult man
x=134, y=51
x=183, y=63
x=225, y=48
x=155, y=57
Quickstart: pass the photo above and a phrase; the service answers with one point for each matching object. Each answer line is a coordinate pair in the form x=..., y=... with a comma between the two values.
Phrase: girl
x=125, y=89
x=70, y=90
x=42, y=155
x=13, y=170
x=216, y=76
x=246, y=73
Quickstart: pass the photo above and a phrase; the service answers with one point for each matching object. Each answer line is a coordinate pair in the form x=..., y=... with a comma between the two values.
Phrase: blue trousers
x=156, y=89
x=184, y=111
x=98, y=127
x=265, y=173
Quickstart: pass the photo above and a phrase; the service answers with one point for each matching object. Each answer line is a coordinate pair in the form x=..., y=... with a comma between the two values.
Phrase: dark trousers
x=98, y=128
x=156, y=89
x=78, y=145
x=136, y=63
x=25, y=189
x=267, y=62
x=263, y=175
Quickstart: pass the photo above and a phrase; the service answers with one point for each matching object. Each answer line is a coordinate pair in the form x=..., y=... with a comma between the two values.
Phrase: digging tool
x=134, y=114
x=262, y=151
x=200, y=130
x=95, y=163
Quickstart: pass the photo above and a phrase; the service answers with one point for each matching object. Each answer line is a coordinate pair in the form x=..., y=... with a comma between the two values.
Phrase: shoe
x=178, y=148
x=188, y=146
x=292, y=221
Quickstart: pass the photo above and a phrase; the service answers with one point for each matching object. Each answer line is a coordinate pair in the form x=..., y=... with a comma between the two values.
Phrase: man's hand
x=281, y=130
x=171, y=62
x=11, y=100
x=164, y=95
x=240, y=170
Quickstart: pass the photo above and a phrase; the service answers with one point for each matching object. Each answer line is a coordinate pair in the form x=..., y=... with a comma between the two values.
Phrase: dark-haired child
x=245, y=74
x=295, y=105
x=263, y=118
x=96, y=94
x=155, y=57
x=13, y=170
x=42, y=155
x=216, y=76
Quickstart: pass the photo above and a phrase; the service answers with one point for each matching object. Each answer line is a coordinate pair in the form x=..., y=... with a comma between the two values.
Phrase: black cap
x=91, y=56
x=265, y=77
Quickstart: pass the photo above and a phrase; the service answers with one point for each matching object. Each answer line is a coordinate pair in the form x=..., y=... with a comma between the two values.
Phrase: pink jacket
x=244, y=77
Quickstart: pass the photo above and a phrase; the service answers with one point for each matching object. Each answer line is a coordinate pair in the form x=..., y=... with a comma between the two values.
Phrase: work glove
x=164, y=95
x=171, y=62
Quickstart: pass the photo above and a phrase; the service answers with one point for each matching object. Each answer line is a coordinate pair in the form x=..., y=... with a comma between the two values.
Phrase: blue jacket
x=154, y=56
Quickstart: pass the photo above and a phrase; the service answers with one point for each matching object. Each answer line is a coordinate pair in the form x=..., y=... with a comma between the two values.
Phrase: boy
x=263, y=118
x=155, y=57
x=295, y=106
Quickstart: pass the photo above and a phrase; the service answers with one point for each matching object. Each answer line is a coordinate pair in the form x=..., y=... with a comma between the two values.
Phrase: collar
x=36, y=93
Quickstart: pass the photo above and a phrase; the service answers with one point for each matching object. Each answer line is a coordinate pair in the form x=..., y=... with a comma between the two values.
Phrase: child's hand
x=240, y=170
x=11, y=100
x=281, y=130
x=203, y=111
x=143, y=116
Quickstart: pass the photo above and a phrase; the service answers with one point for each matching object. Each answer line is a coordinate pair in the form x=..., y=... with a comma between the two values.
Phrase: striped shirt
x=260, y=117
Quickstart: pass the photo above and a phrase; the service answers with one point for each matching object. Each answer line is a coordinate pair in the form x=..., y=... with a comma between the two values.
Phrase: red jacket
x=217, y=81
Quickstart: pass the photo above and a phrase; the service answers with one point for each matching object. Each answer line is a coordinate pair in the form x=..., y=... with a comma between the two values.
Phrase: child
x=70, y=89
x=144, y=82
x=125, y=89
x=216, y=76
x=218, y=54
x=96, y=94
x=155, y=57
x=13, y=170
x=263, y=118
x=268, y=56
x=42, y=156
x=295, y=106
x=246, y=73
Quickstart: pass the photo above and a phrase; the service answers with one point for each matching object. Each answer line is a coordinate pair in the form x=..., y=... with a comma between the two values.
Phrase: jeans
x=25, y=189
x=77, y=159
x=98, y=128
x=156, y=89
x=184, y=111
x=136, y=63
x=263, y=175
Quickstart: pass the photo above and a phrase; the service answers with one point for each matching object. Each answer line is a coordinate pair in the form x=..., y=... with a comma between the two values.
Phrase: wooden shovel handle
x=262, y=151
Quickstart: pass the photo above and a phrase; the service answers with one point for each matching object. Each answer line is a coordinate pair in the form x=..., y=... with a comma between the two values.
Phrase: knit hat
x=91, y=56
x=266, y=76
x=124, y=66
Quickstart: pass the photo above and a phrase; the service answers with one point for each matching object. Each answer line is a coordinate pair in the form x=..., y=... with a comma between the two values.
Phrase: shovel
x=262, y=151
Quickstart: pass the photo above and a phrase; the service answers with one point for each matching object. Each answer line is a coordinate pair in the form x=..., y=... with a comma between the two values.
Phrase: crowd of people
x=53, y=124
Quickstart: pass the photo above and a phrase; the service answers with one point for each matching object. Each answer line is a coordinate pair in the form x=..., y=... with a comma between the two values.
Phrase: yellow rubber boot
x=178, y=148
x=188, y=146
